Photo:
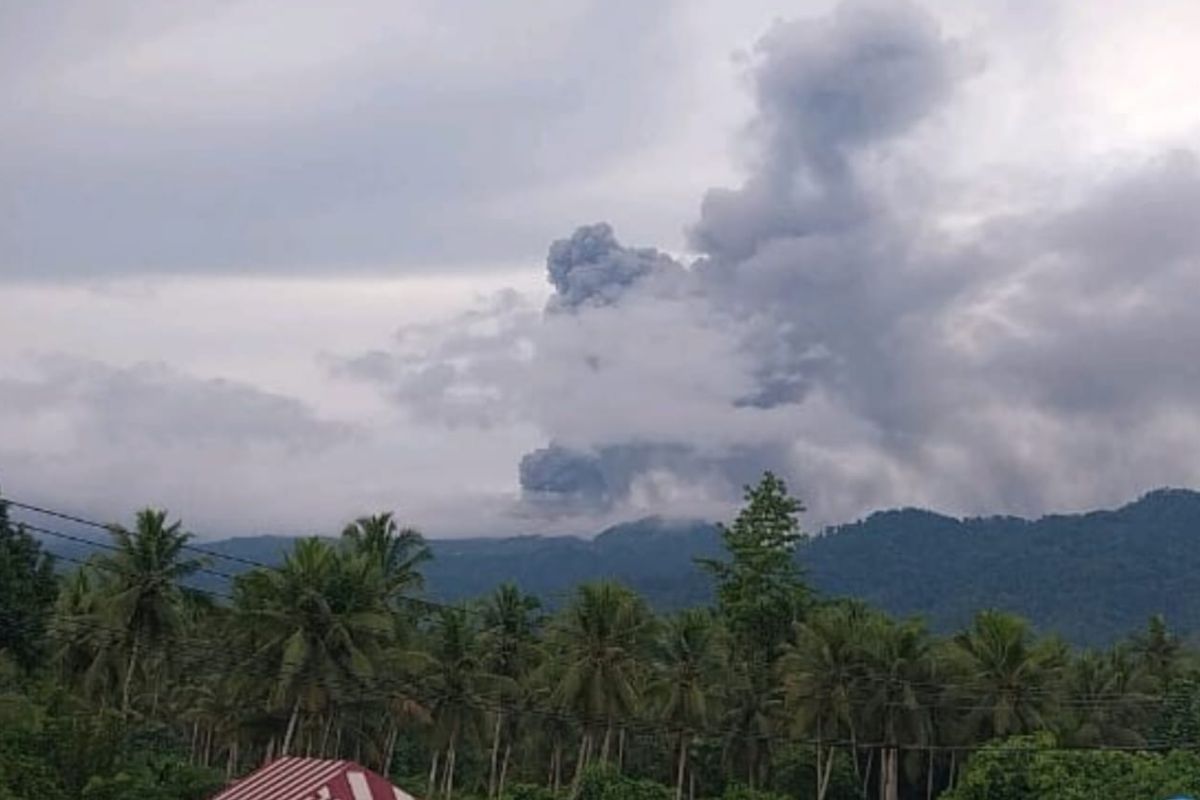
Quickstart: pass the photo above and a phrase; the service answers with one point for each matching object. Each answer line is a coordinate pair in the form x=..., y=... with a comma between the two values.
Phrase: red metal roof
x=312, y=779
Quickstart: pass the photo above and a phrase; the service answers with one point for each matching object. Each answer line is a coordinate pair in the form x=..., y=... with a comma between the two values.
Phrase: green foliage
x=743, y=792
x=27, y=592
x=147, y=693
x=794, y=775
x=603, y=782
x=760, y=592
x=529, y=791
x=1033, y=768
x=1092, y=578
x=159, y=779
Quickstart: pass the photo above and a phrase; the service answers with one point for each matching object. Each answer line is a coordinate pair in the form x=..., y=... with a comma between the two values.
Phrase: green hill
x=1091, y=577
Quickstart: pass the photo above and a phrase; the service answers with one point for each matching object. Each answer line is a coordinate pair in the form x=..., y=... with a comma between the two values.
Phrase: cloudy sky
x=542, y=266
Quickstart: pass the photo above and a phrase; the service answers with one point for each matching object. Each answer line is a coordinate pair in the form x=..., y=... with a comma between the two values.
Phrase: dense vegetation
x=1091, y=578
x=120, y=680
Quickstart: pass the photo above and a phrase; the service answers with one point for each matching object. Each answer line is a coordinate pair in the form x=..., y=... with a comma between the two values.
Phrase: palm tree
x=321, y=620
x=1159, y=651
x=688, y=655
x=600, y=638
x=822, y=674
x=457, y=681
x=86, y=648
x=751, y=710
x=509, y=629
x=1108, y=697
x=143, y=594
x=397, y=551
x=1012, y=679
x=900, y=674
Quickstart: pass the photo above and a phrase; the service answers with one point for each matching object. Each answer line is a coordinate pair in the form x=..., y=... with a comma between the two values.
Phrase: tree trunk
x=953, y=769
x=504, y=769
x=817, y=759
x=393, y=734
x=556, y=765
x=682, y=766
x=195, y=742
x=823, y=780
x=854, y=755
x=585, y=751
x=325, y=735
x=607, y=740
x=433, y=774
x=620, y=749
x=889, y=775
x=751, y=762
x=929, y=777
x=231, y=764
x=495, y=755
x=866, y=778
x=451, y=757
x=291, y=728
x=126, y=689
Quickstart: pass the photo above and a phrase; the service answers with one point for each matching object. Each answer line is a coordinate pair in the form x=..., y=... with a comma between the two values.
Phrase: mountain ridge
x=1091, y=576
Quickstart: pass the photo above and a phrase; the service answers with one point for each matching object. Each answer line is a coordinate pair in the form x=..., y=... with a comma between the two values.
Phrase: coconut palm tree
x=1159, y=651
x=822, y=676
x=142, y=593
x=461, y=689
x=508, y=638
x=899, y=693
x=688, y=656
x=1011, y=679
x=320, y=620
x=1107, y=699
x=600, y=638
x=397, y=551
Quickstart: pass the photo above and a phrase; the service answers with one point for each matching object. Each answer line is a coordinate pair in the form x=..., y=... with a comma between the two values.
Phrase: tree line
x=121, y=681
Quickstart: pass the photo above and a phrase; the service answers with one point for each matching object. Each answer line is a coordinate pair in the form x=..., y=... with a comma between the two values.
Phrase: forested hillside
x=122, y=679
x=1089, y=577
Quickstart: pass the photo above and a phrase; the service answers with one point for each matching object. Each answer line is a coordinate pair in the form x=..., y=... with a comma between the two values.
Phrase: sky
x=538, y=267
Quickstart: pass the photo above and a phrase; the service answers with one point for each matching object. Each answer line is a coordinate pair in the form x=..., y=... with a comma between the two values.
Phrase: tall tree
x=1107, y=699
x=459, y=684
x=1159, y=652
x=1012, y=681
x=760, y=589
x=27, y=592
x=398, y=552
x=509, y=630
x=144, y=595
x=600, y=637
x=320, y=621
x=898, y=693
x=688, y=656
x=823, y=675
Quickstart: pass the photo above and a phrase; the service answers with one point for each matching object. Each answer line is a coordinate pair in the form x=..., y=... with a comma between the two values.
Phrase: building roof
x=312, y=779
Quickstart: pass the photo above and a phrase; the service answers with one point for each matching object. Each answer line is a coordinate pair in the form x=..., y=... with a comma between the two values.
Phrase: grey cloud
x=825, y=90
x=172, y=140
x=592, y=268
x=566, y=480
x=836, y=331
x=156, y=405
x=467, y=377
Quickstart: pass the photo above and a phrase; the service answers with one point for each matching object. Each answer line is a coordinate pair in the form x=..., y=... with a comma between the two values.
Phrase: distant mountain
x=1091, y=577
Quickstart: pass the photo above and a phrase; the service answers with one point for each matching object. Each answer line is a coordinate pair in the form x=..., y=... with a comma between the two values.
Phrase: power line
x=429, y=605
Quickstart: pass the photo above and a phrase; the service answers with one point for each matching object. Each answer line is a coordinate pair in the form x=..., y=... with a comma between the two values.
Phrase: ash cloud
x=592, y=268
x=834, y=328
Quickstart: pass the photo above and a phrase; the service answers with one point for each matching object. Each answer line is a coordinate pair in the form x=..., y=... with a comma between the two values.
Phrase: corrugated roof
x=312, y=779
